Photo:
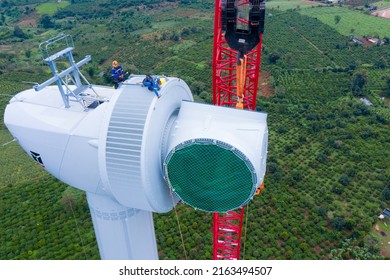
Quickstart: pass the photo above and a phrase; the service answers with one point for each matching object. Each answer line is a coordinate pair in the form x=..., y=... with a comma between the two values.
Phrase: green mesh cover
x=210, y=176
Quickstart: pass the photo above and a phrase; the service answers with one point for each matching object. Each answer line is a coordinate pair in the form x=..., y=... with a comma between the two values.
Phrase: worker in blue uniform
x=151, y=84
x=117, y=74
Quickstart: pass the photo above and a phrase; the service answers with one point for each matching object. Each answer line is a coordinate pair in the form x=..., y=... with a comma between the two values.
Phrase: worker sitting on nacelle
x=152, y=85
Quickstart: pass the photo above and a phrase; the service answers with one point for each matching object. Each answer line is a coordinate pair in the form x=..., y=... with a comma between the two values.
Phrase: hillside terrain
x=328, y=168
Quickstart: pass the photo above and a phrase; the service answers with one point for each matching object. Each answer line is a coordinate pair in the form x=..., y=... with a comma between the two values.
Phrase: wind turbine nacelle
x=114, y=149
x=211, y=157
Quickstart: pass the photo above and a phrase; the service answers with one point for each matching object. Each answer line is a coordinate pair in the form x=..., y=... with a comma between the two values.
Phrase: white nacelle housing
x=114, y=149
x=211, y=157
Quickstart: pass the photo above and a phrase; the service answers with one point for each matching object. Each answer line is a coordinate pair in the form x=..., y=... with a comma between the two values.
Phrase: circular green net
x=210, y=176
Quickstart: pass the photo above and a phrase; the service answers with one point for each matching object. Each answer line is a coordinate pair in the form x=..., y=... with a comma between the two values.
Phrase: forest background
x=323, y=83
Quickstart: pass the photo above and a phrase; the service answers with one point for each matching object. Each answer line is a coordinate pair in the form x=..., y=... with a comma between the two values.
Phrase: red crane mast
x=235, y=75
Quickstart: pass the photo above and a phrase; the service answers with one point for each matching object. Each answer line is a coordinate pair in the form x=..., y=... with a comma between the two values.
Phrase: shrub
x=344, y=180
x=337, y=189
x=338, y=223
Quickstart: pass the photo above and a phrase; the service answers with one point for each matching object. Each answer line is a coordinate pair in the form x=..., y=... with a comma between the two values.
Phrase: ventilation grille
x=124, y=139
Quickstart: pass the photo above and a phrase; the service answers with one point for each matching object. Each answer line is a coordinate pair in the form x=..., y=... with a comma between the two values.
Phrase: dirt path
x=264, y=88
x=383, y=236
x=311, y=43
x=161, y=63
x=385, y=13
x=307, y=40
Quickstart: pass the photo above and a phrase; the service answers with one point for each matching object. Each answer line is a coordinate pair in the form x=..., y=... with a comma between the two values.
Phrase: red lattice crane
x=238, y=28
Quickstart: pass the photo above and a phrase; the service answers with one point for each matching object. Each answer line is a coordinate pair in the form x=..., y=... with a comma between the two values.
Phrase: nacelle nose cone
x=217, y=156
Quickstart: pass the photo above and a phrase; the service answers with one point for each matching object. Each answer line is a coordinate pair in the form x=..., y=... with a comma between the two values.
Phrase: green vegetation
x=51, y=8
x=351, y=22
x=290, y=4
x=381, y=4
x=328, y=172
x=27, y=232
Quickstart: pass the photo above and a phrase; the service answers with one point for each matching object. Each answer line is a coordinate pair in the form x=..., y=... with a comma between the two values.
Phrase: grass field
x=289, y=4
x=51, y=8
x=382, y=4
x=351, y=22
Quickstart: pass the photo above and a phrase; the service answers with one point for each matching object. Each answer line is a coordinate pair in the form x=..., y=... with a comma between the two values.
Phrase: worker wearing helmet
x=151, y=84
x=117, y=74
x=160, y=81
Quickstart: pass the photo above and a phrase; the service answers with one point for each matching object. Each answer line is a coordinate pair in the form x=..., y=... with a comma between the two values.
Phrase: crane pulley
x=243, y=39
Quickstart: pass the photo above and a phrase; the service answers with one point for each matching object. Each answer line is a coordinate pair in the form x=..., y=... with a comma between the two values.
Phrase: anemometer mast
x=134, y=153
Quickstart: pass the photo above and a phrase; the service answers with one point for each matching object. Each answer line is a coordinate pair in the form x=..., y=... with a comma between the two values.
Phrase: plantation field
x=51, y=8
x=290, y=4
x=328, y=153
x=382, y=4
x=12, y=155
x=351, y=22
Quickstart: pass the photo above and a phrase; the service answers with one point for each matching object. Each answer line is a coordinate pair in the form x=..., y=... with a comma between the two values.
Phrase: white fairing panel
x=114, y=149
x=42, y=131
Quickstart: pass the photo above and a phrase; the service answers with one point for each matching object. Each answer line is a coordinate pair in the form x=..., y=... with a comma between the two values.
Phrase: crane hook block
x=243, y=40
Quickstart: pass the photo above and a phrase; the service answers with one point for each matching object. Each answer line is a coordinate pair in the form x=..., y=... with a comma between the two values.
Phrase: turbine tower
x=135, y=154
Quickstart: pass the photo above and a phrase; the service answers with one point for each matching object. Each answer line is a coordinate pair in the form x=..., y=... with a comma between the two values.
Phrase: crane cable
x=246, y=230
x=78, y=230
x=9, y=142
x=241, y=80
x=178, y=224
